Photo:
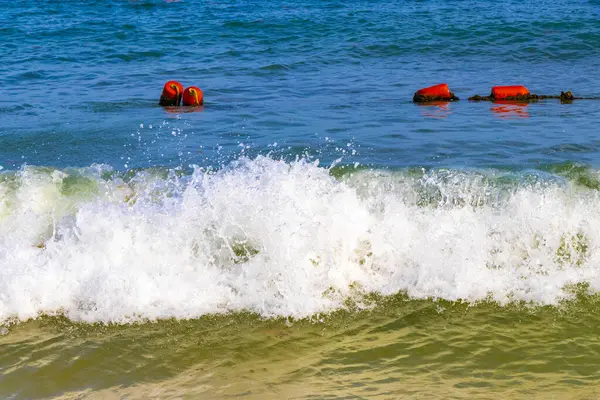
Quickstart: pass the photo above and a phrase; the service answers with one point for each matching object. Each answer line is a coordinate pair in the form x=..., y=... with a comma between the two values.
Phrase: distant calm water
x=310, y=232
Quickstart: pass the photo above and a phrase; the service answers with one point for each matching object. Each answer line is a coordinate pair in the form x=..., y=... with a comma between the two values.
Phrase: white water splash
x=282, y=239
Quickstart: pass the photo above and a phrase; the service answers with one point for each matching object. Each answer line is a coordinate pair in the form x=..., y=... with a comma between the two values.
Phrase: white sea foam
x=283, y=239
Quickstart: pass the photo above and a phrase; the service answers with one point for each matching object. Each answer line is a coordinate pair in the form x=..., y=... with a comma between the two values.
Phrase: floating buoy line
x=517, y=93
x=174, y=95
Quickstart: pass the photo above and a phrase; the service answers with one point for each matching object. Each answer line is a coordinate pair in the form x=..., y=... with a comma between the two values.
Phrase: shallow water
x=310, y=232
x=401, y=348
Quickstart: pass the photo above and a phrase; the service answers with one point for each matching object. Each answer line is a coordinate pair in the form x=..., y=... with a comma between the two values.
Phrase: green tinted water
x=399, y=349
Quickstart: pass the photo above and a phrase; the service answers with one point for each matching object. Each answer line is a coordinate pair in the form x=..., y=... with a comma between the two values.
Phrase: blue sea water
x=80, y=82
x=298, y=95
x=308, y=153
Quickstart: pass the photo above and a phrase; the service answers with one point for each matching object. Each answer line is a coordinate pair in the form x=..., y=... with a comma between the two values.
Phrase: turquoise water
x=310, y=232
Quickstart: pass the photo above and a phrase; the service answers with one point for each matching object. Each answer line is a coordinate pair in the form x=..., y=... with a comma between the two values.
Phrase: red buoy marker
x=193, y=96
x=439, y=92
x=171, y=94
x=514, y=92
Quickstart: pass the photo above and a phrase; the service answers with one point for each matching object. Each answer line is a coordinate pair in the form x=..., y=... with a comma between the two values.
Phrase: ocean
x=310, y=232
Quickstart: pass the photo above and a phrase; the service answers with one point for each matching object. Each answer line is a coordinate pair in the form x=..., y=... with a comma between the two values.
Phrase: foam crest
x=284, y=239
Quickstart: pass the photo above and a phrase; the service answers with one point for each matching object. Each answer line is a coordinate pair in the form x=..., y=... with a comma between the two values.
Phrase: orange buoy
x=503, y=92
x=171, y=94
x=439, y=92
x=193, y=96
